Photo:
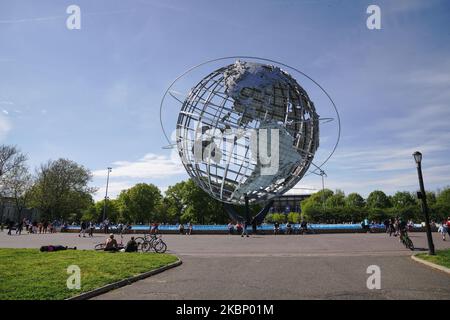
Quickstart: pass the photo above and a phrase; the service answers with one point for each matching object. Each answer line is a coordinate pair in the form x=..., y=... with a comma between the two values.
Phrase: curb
x=124, y=282
x=431, y=265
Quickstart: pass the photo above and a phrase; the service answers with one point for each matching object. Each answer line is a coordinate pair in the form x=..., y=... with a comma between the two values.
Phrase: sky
x=92, y=95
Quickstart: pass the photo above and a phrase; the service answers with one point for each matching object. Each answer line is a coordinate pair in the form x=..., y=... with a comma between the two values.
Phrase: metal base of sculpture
x=248, y=219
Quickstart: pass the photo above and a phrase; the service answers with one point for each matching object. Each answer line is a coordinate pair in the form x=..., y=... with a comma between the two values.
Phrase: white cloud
x=114, y=189
x=5, y=127
x=150, y=166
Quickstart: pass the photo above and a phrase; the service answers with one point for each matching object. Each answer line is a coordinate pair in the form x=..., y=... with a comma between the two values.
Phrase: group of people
x=241, y=228
x=181, y=229
x=31, y=227
x=112, y=245
x=105, y=226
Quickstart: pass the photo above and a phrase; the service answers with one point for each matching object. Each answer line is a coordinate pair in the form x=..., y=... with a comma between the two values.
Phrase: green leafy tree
x=61, y=189
x=294, y=217
x=337, y=200
x=138, y=204
x=188, y=202
x=378, y=200
x=355, y=200
x=402, y=199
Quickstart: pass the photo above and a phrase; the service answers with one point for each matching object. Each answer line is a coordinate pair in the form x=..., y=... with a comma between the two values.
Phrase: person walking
x=106, y=225
x=91, y=229
x=83, y=229
x=19, y=228
x=443, y=229
x=244, y=229
x=448, y=226
x=10, y=224
x=181, y=228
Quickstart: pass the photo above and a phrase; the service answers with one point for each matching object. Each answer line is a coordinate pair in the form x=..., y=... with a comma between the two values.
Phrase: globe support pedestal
x=248, y=219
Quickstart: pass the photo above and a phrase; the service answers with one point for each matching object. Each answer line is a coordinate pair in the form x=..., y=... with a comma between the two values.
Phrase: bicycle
x=151, y=241
x=407, y=241
x=101, y=246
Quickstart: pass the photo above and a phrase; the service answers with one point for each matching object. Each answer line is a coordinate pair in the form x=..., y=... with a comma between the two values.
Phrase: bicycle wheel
x=409, y=244
x=139, y=242
x=99, y=247
x=145, y=246
x=160, y=246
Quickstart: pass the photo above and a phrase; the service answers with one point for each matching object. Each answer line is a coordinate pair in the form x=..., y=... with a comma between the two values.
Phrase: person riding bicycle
x=402, y=227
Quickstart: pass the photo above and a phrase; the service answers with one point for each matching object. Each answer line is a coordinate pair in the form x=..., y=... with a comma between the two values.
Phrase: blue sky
x=92, y=95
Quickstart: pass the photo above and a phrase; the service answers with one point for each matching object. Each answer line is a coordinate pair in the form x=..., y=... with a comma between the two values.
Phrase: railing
x=264, y=227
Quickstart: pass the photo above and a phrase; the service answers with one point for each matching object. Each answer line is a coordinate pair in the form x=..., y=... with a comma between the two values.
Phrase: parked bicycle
x=101, y=246
x=151, y=241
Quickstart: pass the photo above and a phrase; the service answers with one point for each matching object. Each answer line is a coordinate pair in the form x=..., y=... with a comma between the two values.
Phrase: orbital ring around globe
x=232, y=114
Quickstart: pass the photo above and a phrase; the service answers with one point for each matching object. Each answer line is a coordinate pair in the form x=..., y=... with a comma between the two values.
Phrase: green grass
x=441, y=258
x=31, y=274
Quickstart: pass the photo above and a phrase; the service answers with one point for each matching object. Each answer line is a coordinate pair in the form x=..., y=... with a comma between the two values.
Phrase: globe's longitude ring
x=318, y=167
x=246, y=95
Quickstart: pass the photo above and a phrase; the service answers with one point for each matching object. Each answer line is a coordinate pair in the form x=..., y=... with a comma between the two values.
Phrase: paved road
x=327, y=266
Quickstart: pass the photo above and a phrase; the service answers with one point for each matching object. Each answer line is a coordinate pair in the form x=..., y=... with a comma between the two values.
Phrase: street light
x=422, y=195
x=106, y=194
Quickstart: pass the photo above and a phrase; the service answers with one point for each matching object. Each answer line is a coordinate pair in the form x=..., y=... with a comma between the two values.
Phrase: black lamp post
x=423, y=196
x=106, y=194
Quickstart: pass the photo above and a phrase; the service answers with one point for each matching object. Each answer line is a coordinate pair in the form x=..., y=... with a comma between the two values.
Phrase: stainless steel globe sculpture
x=220, y=114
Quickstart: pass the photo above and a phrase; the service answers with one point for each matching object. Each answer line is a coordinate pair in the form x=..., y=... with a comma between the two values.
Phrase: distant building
x=290, y=201
x=8, y=211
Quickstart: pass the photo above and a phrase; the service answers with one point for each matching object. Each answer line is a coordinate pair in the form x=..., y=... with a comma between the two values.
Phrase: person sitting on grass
x=111, y=243
x=131, y=246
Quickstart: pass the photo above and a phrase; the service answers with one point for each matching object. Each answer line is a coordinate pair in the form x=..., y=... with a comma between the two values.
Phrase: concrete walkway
x=327, y=266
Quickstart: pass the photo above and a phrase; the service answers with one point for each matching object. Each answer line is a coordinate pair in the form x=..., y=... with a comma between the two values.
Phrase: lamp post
x=106, y=194
x=422, y=195
x=322, y=173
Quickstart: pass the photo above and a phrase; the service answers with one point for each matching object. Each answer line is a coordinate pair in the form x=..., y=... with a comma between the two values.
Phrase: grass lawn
x=441, y=258
x=31, y=274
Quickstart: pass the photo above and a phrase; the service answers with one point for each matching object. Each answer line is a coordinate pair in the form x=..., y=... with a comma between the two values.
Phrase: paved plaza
x=322, y=266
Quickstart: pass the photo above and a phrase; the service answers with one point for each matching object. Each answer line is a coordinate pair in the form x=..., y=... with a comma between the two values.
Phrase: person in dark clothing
x=83, y=229
x=10, y=226
x=244, y=229
x=303, y=226
x=19, y=228
x=276, y=228
x=131, y=246
x=254, y=227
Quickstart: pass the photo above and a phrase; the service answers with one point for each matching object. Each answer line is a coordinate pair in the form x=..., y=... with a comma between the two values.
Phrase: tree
x=354, y=200
x=139, y=203
x=378, y=200
x=337, y=200
x=61, y=189
x=17, y=186
x=95, y=211
x=402, y=199
x=11, y=159
x=441, y=208
x=188, y=202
